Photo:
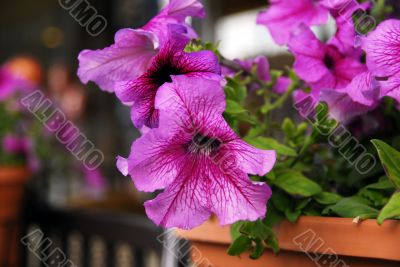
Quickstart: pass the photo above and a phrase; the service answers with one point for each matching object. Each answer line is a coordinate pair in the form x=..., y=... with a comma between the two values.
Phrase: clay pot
x=12, y=187
x=311, y=242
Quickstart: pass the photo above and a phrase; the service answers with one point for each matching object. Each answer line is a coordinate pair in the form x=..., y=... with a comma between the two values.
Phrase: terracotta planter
x=12, y=185
x=311, y=242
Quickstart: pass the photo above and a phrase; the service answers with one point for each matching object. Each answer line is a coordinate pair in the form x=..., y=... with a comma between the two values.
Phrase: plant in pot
x=318, y=138
x=18, y=159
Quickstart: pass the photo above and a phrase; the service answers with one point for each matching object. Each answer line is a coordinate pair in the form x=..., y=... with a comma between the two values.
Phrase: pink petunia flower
x=133, y=49
x=263, y=73
x=359, y=97
x=322, y=66
x=197, y=159
x=21, y=146
x=10, y=84
x=383, y=56
x=284, y=16
x=346, y=38
x=171, y=60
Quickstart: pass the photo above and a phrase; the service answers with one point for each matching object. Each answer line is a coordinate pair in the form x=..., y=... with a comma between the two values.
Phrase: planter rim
x=326, y=235
x=14, y=174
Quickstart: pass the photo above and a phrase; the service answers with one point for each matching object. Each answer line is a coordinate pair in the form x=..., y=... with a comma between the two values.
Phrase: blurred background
x=96, y=217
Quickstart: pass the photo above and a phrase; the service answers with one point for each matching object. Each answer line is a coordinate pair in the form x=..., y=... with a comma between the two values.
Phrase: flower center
x=163, y=69
x=203, y=144
x=329, y=62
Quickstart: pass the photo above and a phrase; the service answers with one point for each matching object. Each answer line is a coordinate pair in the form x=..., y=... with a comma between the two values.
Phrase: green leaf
x=273, y=243
x=296, y=183
x=391, y=210
x=383, y=184
x=258, y=249
x=235, y=229
x=233, y=107
x=256, y=229
x=390, y=159
x=327, y=198
x=235, y=91
x=239, y=245
x=288, y=128
x=271, y=144
x=273, y=216
x=352, y=207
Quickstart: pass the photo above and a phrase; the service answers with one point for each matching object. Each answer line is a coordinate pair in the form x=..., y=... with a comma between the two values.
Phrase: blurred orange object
x=27, y=68
x=12, y=185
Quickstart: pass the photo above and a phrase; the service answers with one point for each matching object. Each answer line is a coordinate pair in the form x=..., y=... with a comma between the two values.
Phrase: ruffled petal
x=190, y=99
x=235, y=198
x=364, y=89
x=391, y=88
x=341, y=107
x=202, y=188
x=126, y=59
x=154, y=162
x=180, y=9
x=382, y=48
x=284, y=16
x=309, y=53
x=185, y=203
x=250, y=159
x=199, y=62
x=143, y=113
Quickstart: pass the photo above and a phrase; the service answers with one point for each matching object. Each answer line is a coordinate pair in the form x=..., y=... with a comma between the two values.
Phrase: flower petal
x=391, y=87
x=235, y=198
x=185, y=203
x=126, y=59
x=180, y=9
x=309, y=53
x=284, y=16
x=382, y=48
x=189, y=97
x=250, y=159
x=341, y=107
x=154, y=161
x=364, y=89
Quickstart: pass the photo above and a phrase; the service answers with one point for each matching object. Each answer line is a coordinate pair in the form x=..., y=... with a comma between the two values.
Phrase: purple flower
x=132, y=51
x=16, y=145
x=95, y=182
x=322, y=66
x=21, y=146
x=197, y=159
x=175, y=12
x=10, y=84
x=341, y=107
x=171, y=60
x=263, y=72
x=383, y=56
x=284, y=16
x=359, y=97
x=260, y=63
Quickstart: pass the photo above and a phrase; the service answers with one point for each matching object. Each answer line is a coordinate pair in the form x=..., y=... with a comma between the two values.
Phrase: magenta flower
x=359, y=97
x=197, y=159
x=22, y=146
x=9, y=84
x=383, y=56
x=260, y=63
x=284, y=16
x=171, y=60
x=322, y=66
x=132, y=51
x=263, y=72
